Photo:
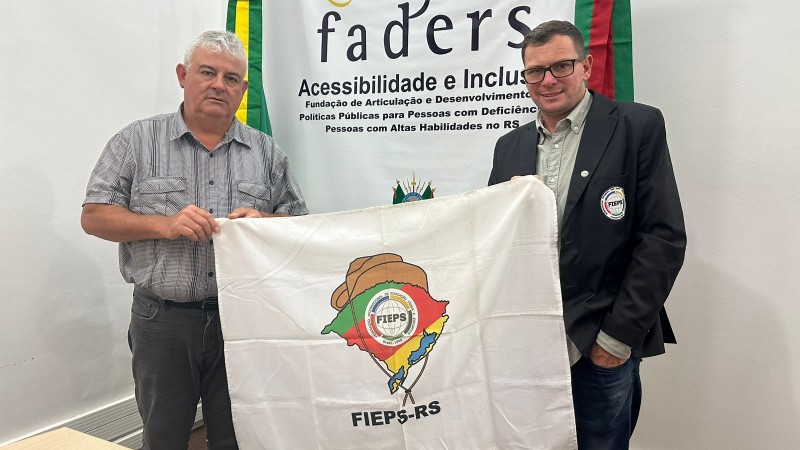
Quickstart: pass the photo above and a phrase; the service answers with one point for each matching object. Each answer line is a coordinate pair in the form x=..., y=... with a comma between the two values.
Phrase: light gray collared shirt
x=156, y=166
x=557, y=151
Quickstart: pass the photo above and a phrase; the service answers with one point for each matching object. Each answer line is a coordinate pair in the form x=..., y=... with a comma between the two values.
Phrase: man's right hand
x=117, y=223
x=192, y=222
x=603, y=358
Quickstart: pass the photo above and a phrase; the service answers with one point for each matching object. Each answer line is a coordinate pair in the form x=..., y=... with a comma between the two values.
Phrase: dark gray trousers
x=178, y=359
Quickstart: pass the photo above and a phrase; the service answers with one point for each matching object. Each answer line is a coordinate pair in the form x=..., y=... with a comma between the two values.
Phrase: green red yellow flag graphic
x=606, y=29
x=397, y=323
x=245, y=19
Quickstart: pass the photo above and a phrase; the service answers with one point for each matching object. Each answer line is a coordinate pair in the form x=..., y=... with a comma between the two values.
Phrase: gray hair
x=547, y=30
x=219, y=42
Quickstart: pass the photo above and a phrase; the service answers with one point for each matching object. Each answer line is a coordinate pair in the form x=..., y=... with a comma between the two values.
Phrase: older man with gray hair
x=157, y=189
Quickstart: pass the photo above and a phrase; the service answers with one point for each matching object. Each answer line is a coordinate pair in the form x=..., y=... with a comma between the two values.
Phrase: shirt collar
x=236, y=132
x=177, y=126
x=575, y=119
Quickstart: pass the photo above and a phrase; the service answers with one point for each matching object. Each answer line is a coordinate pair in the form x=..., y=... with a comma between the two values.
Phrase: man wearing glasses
x=622, y=238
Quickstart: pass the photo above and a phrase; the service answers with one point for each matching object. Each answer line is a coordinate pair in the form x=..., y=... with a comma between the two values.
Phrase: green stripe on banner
x=230, y=25
x=583, y=19
x=623, y=50
x=257, y=114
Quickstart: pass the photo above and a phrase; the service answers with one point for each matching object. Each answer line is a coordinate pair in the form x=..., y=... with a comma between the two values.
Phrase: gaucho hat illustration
x=368, y=271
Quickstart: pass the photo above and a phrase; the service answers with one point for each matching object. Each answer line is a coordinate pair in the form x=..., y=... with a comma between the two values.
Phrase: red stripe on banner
x=601, y=49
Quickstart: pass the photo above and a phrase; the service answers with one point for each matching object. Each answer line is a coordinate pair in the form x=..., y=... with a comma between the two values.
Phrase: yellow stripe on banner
x=401, y=356
x=243, y=32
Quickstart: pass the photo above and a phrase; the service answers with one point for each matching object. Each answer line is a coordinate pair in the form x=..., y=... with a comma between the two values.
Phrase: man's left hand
x=251, y=213
x=602, y=358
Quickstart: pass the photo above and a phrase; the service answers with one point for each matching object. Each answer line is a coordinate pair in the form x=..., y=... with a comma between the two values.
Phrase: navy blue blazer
x=622, y=237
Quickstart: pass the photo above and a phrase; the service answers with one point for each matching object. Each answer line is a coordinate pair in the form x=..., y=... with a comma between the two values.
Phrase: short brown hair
x=547, y=30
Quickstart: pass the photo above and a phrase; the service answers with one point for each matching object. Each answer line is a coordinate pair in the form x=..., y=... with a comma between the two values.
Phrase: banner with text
x=364, y=93
x=434, y=324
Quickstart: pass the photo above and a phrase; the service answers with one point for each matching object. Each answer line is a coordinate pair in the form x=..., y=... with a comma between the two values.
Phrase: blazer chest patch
x=612, y=203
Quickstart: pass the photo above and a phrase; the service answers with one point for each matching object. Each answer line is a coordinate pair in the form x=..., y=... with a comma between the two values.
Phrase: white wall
x=723, y=72
x=725, y=75
x=72, y=74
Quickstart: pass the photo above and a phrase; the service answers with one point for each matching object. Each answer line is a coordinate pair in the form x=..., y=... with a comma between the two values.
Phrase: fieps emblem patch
x=612, y=202
x=392, y=317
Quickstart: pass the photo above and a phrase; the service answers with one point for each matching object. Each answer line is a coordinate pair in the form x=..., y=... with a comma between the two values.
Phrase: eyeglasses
x=560, y=69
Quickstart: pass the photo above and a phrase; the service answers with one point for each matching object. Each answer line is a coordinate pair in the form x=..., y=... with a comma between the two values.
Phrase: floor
x=197, y=440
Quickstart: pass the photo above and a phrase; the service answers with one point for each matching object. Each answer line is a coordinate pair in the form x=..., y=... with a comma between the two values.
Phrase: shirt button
x=575, y=129
x=211, y=210
x=211, y=182
x=210, y=274
x=211, y=155
x=556, y=146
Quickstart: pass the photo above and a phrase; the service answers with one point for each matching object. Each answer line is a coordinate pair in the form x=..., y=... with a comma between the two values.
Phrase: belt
x=207, y=304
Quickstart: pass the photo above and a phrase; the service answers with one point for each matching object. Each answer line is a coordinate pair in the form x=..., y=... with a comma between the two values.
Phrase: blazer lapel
x=600, y=126
x=528, y=143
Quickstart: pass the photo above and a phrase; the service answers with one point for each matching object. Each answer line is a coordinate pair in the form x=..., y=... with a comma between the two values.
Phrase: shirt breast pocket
x=162, y=195
x=254, y=195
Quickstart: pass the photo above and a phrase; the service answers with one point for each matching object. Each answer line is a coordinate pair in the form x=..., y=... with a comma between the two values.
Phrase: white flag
x=433, y=324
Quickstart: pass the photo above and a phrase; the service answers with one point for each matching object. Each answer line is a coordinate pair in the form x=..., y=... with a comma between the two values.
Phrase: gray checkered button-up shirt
x=156, y=166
